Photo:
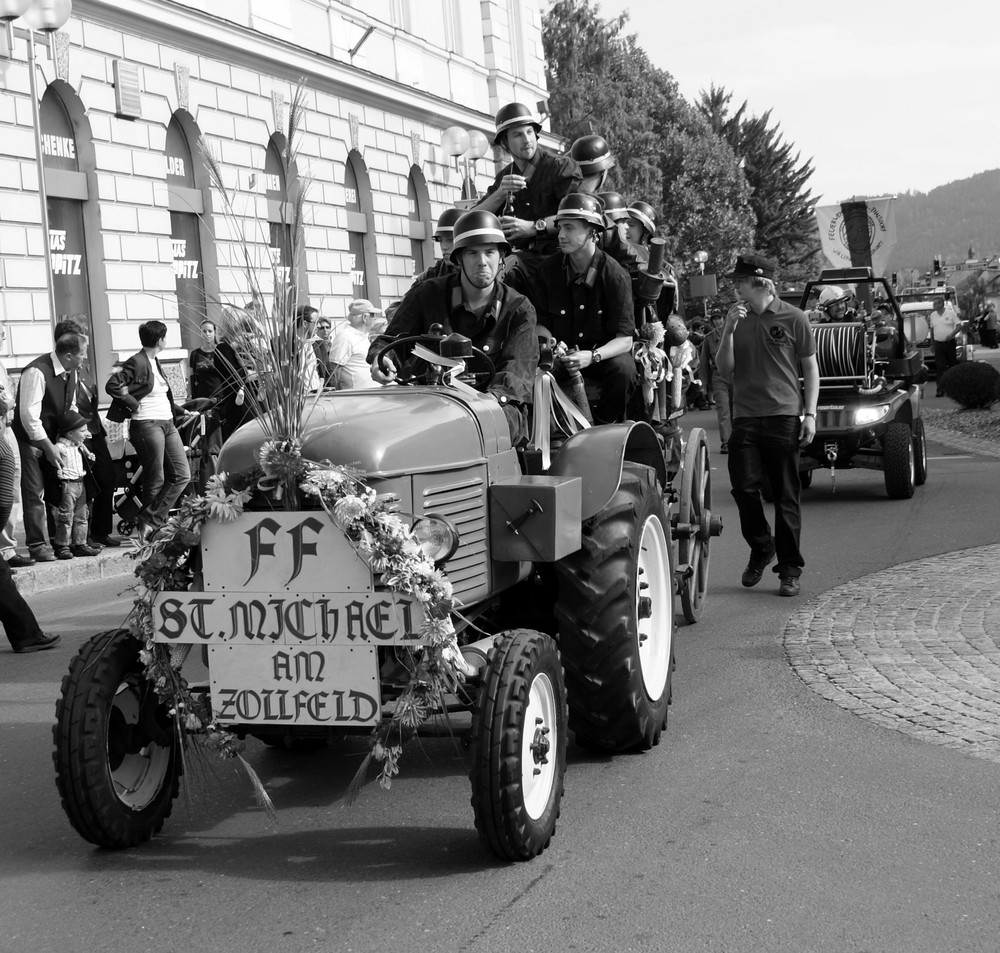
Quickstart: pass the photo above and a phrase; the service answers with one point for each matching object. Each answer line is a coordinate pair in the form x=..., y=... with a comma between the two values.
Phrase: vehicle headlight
x=869, y=415
x=437, y=536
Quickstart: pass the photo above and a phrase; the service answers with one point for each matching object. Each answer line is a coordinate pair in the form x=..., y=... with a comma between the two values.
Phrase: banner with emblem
x=860, y=233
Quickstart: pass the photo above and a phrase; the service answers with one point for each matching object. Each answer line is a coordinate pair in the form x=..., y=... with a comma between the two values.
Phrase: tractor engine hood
x=388, y=431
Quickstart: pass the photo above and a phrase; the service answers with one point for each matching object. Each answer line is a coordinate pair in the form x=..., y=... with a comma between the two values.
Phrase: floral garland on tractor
x=169, y=561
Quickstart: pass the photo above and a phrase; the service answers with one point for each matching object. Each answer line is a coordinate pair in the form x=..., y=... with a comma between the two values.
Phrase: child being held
x=72, y=516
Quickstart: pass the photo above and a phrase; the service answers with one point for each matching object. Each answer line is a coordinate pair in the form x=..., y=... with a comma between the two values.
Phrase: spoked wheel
x=693, y=526
x=117, y=755
x=919, y=452
x=519, y=745
x=615, y=612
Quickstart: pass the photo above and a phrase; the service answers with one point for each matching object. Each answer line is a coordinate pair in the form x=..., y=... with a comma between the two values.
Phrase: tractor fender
x=596, y=455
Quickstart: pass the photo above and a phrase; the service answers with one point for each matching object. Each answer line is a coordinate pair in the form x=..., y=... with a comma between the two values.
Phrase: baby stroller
x=195, y=433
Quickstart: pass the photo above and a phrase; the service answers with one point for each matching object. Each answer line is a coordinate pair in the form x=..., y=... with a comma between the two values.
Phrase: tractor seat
x=840, y=352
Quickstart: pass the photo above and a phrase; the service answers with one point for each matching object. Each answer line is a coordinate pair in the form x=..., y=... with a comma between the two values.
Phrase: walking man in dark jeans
x=766, y=346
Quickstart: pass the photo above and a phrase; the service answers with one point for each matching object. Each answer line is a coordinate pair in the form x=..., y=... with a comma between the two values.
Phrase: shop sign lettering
x=59, y=147
x=183, y=267
x=175, y=166
x=62, y=263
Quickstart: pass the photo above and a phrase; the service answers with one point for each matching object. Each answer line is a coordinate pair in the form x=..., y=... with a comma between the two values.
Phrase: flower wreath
x=382, y=537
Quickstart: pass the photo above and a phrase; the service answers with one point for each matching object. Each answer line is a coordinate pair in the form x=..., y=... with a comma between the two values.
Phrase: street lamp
x=43, y=16
x=703, y=286
x=468, y=145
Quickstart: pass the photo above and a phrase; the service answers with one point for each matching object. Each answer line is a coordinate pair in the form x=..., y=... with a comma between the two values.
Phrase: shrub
x=972, y=384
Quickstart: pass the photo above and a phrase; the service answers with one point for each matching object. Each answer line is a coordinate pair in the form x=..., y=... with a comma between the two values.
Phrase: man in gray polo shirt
x=766, y=346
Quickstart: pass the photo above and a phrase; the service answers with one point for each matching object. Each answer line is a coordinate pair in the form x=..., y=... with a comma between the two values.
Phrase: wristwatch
x=808, y=413
x=596, y=357
x=541, y=227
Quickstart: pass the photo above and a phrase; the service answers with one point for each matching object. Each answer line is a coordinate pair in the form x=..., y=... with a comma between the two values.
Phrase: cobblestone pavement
x=915, y=648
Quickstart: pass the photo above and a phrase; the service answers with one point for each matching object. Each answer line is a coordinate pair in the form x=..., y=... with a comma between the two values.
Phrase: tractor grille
x=465, y=505
x=831, y=418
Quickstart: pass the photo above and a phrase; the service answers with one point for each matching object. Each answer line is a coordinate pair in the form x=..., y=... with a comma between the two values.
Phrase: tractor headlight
x=869, y=415
x=437, y=536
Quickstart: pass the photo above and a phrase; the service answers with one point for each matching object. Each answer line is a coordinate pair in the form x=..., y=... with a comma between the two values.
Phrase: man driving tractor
x=473, y=302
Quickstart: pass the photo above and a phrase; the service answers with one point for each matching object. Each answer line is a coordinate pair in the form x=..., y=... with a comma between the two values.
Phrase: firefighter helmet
x=586, y=208
x=446, y=222
x=645, y=215
x=830, y=295
x=592, y=154
x=514, y=114
x=615, y=209
x=478, y=228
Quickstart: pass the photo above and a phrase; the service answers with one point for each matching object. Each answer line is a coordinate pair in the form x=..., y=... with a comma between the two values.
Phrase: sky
x=884, y=96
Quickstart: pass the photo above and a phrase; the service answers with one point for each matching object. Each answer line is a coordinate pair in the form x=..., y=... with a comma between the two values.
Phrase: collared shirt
x=505, y=330
x=585, y=311
x=348, y=358
x=72, y=460
x=767, y=350
x=32, y=390
x=943, y=325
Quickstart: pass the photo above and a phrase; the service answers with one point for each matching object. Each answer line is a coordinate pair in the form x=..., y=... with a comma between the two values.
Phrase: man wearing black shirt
x=473, y=302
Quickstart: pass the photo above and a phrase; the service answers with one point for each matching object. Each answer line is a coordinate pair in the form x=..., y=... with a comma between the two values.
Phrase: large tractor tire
x=117, y=754
x=899, y=460
x=919, y=452
x=519, y=745
x=615, y=612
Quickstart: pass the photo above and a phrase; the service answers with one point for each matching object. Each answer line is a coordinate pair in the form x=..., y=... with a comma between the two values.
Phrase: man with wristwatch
x=526, y=193
x=584, y=298
x=766, y=347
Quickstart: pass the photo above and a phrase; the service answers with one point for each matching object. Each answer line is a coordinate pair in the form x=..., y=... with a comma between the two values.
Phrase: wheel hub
x=540, y=745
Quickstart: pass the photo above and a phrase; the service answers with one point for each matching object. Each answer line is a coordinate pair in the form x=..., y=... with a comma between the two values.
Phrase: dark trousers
x=102, y=512
x=944, y=357
x=32, y=496
x=165, y=470
x=618, y=377
x=768, y=447
x=19, y=622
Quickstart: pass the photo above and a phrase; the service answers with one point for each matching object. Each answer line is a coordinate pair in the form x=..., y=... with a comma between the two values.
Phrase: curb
x=43, y=577
x=957, y=441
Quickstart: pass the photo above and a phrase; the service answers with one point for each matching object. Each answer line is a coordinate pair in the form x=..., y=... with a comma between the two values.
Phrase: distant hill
x=947, y=220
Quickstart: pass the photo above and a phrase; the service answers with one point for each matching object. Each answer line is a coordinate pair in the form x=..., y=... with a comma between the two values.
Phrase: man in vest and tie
x=44, y=393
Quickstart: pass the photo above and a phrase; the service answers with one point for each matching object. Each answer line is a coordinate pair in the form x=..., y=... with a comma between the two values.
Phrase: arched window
x=419, y=214
x=360, y=234
x=280, y=187
x=187, y=205
x=74, y=221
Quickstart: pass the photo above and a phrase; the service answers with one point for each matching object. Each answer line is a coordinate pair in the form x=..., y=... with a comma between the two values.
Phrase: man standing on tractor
x=584, y=298
x=766, y=345
x=473, y=302
x=526, y=193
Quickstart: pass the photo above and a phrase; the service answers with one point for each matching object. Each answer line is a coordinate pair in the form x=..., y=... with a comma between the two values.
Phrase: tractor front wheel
x=519, y=745
x=117, y=755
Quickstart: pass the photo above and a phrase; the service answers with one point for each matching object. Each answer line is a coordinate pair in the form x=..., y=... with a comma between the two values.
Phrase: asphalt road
x=768, y=819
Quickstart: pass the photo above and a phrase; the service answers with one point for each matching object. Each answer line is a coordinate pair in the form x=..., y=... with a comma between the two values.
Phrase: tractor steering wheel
x=432, y=373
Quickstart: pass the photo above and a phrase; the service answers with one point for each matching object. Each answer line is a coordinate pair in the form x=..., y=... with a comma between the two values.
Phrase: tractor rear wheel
x=899, y=460
x=615, y=612
x=694, y=514
x=519, y=745
x=117, y=754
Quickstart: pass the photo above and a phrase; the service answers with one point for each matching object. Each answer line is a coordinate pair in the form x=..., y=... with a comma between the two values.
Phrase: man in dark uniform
x=584, y=297
x=443, y=236
x=526, y=193
x=475, y=303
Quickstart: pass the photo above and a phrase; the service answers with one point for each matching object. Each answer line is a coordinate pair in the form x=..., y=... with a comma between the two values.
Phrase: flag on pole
x=860, y=233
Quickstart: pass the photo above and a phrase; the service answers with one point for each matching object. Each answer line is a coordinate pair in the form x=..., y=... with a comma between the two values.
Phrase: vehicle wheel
x=693, y=520
x=117, y=756
x=805, y=479
x=125, y=527
x=899, y=461
x=519, y=745
x=919, y=452
x=615, y=612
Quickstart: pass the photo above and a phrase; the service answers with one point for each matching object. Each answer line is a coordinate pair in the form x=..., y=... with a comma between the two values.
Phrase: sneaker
x=43, y=554
x=755, y=570
x=17, y=561
x=64, y=552
x=83, y=550
x=789, y=586
x=39, y=645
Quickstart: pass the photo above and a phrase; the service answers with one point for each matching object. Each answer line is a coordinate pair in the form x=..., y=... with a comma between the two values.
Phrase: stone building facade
x=130, y=89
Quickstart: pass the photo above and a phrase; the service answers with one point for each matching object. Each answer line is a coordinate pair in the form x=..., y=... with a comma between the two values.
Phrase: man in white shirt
x=44, y=393
x=348, y=360
x=944, y=325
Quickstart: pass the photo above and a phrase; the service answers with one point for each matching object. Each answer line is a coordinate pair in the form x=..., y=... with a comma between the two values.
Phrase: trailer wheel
x=117, y=754
x=519, y=745
x=615, y=612
x=899, y=461
x=919, y=452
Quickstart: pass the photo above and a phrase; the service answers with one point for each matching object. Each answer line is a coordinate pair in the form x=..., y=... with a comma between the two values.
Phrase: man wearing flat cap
x=766, y=347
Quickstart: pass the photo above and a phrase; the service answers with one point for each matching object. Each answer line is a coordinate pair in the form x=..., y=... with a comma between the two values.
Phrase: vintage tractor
x=562, y=555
